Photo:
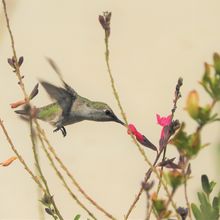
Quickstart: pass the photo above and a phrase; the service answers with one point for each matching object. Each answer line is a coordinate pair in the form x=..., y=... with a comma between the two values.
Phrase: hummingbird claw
x=62, y=129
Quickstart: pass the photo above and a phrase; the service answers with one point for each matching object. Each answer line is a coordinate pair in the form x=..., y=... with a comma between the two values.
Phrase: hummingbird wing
x=58, y=72
x=64, y=97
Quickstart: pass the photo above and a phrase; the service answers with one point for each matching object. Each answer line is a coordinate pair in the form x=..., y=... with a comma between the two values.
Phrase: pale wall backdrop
x=152, y=43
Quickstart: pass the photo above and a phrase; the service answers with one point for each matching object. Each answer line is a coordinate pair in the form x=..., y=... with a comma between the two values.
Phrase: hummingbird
x=69, y=107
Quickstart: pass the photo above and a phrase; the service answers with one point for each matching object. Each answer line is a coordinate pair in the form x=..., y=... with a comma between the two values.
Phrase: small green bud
x=160, y=206
x=216, y=58
x=192, y=104
x=175, y=178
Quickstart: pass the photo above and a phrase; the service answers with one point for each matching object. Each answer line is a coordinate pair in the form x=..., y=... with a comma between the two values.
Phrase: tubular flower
x=8, y=161
x=163, y=121
x=140, y=137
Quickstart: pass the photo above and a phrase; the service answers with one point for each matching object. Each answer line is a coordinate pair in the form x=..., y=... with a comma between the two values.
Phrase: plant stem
x=112, y=79
x=185, y=192
x=20, y=158
x=147, y=176
x=18, y=74
x=41, y=173
x=152, y=168
x=17, y=69
x=62, y=178
x=74, y=181
x=167, y=203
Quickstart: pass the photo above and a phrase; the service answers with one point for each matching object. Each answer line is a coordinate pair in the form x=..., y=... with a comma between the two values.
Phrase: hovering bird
x=69, y=107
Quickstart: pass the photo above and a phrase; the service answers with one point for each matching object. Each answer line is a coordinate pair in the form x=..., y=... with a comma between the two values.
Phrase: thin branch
x=62, y=178
x=20, y=158
x=74, y=181
x=163, y=150
x=107, y=53
x=147, y=176
x=105, y=22
x=185, y=191
x=17, y=69
x=37, y=164
x=187, y=199
x=167, y=203
x=26, y=97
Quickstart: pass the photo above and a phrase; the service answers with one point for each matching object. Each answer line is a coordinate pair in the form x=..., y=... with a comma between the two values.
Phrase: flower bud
x=192, y=104
x=175, y=178
x=216, y=58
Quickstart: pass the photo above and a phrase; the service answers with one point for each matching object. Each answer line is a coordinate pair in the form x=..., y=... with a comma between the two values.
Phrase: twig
x=26, y=97
x=147, y=176
x=107, y=54
x=41, y=174
x=163, y=150
x=74, y=181
x=20, y=158
x=41, y=212
x=17, y=69
x=105, y=22
x=187, y=199
x=185, y=174
x=62, y=178
x=177, y=95
x=167, y=203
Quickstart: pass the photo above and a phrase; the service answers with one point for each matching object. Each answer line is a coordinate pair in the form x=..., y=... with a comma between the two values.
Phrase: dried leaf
x=34, y=92
x=188, y=171
x=147, y=186
x=169, y=164
x=20, y=60
x=49, y=211
x=8, y=161
x=11, y=62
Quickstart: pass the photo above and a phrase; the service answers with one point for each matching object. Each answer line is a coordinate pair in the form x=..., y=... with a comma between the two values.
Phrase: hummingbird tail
x=22, y=112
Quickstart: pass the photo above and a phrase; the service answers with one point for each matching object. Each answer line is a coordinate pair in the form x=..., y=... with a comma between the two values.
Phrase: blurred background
x=152, y=43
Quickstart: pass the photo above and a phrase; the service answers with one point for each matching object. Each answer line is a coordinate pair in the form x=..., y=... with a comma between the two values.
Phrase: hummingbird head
x=102, y=112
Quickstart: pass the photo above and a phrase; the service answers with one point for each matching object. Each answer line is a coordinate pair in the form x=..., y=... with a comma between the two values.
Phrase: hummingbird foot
x=62, y=129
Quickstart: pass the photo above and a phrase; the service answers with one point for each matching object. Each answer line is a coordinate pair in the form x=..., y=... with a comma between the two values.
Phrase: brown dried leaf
x=34, y=92
x=8, y=161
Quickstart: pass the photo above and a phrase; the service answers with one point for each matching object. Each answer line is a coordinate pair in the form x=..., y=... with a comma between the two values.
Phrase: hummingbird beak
x=115, y=118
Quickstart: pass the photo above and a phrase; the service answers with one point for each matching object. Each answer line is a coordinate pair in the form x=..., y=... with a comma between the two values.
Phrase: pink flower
x=163, y=121
x=134, y=131
x=140, y=137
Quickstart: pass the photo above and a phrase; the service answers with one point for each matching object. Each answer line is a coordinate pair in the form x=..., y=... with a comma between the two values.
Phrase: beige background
x=152, y=44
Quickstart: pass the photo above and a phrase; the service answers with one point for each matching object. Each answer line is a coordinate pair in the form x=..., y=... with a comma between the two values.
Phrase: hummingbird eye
x=107, y=112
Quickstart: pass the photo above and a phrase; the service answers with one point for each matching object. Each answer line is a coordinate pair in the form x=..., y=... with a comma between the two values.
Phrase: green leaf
x=159, y=206
x=204, y=201
x=215, y=210
x=216, y=59
x=205, y=184
x=175, y=179
x=196, y=212
x=77, y=217
x=215, y=203
x=212, y=185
